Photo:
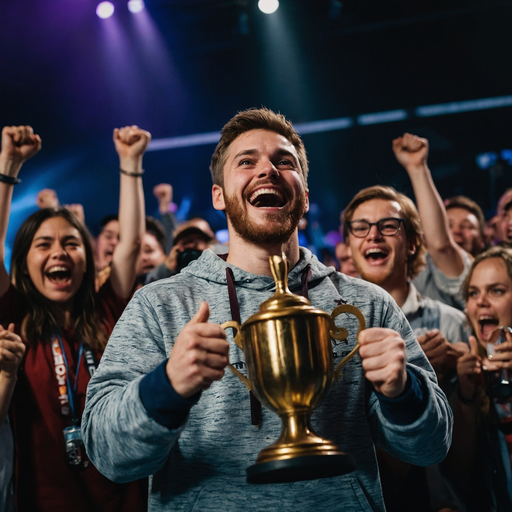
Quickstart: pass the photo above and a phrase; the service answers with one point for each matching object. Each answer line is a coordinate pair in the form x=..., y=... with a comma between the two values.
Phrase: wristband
x=10, y=180
x=464, y=400
x=134, y=174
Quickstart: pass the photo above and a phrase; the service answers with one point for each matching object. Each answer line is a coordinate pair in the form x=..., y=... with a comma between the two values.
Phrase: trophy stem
x=296, y=428
x=299, y=454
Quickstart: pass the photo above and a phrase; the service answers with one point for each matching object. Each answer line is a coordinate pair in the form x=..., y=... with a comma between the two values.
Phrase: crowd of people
x=113, y=391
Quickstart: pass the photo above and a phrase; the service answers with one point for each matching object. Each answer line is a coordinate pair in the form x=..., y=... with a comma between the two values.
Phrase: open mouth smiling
x=487, y=324
x=58, y=274
x=267, y=198
x=375, y=254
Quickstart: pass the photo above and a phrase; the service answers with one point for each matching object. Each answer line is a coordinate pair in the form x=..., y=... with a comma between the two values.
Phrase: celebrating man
x=160, y=403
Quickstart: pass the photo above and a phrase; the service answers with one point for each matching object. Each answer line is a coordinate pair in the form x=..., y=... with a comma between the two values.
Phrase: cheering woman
x=55, y=326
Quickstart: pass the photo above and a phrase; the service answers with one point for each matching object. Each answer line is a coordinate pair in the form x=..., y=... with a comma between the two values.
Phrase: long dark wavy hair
x=40, y=321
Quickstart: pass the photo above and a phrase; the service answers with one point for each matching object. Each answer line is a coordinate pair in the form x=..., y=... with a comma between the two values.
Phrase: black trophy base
x=308, y=467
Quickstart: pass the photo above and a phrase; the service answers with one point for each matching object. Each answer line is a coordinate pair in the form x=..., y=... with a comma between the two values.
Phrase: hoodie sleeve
x=426, y=439
x=122, y=440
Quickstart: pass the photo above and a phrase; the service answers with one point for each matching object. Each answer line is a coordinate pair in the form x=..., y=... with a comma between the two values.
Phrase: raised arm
x=18, y=144
x=163, y=193
x=412, y=152
x=131, y=143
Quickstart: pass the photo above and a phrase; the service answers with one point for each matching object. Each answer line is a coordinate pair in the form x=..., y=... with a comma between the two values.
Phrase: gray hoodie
x=201, y=464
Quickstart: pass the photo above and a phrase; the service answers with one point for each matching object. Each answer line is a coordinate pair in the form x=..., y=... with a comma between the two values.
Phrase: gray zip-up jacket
x=201, y=464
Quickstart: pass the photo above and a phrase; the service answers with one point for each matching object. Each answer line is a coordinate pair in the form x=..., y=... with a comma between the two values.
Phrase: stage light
x=486, y=160
x=135, y=5
x=506, y=156
x=268, y=6
x=105, y=10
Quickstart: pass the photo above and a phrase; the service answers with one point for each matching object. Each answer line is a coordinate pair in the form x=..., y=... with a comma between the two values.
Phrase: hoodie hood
x=212, y=268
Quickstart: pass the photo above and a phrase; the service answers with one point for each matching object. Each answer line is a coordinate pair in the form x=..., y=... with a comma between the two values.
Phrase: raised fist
x=411, y=151
x=47, y=198
x=19, y=144
x=163, y=193
x=131, y=142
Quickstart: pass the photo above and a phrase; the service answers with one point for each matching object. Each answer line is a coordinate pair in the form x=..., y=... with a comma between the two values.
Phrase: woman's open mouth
x=487, y=325
x=59, y=275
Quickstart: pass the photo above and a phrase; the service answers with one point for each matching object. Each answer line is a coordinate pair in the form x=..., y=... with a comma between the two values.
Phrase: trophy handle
x=340, y=333
x=239, y=342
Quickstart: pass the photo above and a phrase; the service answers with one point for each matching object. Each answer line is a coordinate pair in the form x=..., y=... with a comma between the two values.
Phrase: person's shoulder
x=166, y=285
x=358, y=291
x=444, y=309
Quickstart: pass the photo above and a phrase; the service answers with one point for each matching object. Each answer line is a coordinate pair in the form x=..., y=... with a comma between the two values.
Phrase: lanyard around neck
x=69, y=397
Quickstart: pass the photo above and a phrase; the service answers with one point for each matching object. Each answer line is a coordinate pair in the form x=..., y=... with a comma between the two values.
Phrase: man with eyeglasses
x=383, y=230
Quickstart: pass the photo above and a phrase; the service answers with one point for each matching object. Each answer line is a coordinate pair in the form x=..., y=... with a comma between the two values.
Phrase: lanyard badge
x=72, y=435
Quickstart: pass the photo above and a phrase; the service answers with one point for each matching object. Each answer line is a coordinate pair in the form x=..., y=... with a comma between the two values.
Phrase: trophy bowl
x=288, y=352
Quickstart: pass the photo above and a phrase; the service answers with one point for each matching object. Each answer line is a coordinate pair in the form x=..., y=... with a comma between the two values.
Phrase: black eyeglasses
x=386, y=227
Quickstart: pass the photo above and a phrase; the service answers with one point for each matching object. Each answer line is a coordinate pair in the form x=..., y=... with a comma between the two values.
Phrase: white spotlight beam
x=464, y=106
x=268, y=6
x=186, y=141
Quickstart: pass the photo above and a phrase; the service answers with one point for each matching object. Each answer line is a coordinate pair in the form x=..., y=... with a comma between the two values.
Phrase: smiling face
x=106, y=243
x=151, y=254
x=264, y=195
x=380, y=259
x=56, y=261
x=465, y=230
x=344, y=257
x=489, y=303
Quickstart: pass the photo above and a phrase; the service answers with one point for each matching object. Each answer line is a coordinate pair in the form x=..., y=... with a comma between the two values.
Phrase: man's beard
x=387, y=276
x=377, y=278
x=277, y=230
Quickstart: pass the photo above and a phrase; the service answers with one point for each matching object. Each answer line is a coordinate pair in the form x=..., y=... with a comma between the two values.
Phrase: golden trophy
x=288, y=353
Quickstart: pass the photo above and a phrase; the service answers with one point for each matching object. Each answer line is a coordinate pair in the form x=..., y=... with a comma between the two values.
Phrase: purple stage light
x=105, y=10
x=135, y=5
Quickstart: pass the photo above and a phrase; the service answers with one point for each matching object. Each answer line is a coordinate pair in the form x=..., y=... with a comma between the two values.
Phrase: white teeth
x=56, y=269
x=486, y=317
x=375, y=250
x=261, y=191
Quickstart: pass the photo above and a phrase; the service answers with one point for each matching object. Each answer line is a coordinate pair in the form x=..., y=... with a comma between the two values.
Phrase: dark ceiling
x=192, y=64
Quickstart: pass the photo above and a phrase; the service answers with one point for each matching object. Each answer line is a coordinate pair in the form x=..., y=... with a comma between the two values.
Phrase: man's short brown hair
x=412, y=223
x=255, y=119
x=467, y=204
